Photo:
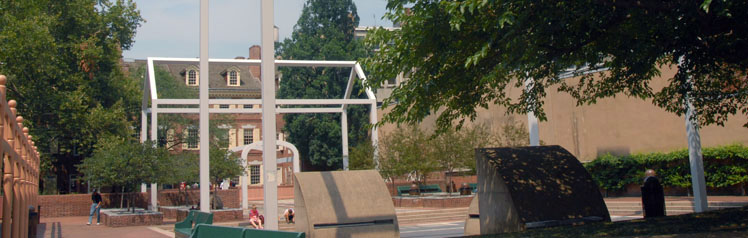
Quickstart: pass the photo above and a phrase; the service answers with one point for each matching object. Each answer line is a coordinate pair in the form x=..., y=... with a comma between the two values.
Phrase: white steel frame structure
x=268, y=102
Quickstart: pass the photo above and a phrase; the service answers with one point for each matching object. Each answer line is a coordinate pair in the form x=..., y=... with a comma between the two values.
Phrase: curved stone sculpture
x=472, y=222
x=537, y=186
x=344, y=204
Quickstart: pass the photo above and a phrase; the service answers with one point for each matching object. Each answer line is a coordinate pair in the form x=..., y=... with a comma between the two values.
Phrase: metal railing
x=20, y=169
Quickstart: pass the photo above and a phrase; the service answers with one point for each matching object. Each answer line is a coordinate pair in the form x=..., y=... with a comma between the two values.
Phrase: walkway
x=414, y=222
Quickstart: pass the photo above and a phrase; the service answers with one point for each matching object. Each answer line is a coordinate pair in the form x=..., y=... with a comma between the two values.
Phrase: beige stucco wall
x=619, y=125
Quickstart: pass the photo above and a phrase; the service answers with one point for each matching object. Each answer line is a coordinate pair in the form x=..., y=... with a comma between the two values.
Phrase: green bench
x=431, y=188
x=185, y=228
x=210, y=231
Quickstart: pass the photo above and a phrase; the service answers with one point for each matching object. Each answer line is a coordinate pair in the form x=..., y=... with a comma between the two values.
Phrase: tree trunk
x=392, y=182
x=122, y=198
x=448, y=179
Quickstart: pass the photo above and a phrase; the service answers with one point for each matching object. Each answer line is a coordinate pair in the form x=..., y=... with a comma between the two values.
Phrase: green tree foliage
x=62, y=62
x=127, y=163
x=467, y=54
x=415, y=153
x=323, y=32
x=406, y=152
x=724, y=166
x=362, y=156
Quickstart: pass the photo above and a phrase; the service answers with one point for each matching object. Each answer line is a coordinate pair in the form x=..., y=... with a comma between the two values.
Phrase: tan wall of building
x=619, y=125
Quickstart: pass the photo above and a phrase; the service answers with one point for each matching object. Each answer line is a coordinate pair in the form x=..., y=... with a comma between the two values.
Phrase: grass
x=719, y=221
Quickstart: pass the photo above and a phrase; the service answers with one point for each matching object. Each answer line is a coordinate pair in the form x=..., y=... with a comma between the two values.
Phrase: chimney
x=275, y=33
x=254, y=53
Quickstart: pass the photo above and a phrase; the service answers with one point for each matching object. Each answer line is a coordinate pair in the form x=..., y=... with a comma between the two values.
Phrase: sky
x=172, y=26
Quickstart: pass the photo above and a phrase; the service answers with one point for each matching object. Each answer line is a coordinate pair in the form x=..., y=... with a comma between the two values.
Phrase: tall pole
x=694, y=149
x=344, y=133
x=532, y=121
x=154, y=139
x=267, y=70
x=204, y=116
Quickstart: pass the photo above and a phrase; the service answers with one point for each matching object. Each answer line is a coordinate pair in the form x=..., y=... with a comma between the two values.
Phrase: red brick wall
x=131, y=220
x=284, y=192
x=80, y=204
x=460, y=201
x=172, y=197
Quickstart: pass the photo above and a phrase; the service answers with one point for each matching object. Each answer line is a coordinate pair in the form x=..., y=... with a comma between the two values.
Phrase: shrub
x=724, y=166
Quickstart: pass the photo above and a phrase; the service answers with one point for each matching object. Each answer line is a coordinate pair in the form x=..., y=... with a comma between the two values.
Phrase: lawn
x=726, y=222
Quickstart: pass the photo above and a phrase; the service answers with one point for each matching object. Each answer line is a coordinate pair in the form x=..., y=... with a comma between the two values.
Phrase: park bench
x=204, y=230
x=431, y=188
x=187, y=227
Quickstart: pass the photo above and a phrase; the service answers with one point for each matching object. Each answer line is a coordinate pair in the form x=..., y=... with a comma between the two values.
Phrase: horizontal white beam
x=249, y=110
x=257, y=101
x=286, y=63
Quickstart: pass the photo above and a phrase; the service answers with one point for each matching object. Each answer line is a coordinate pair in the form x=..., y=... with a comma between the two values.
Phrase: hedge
x=724, y=166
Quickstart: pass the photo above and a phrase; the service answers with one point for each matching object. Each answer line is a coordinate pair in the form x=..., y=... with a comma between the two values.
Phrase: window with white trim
x=192, y=138
x=254, y=174
x=248, y=136
x=224, y=106
x=192, y=77
x=233, y=78
x=249, y=106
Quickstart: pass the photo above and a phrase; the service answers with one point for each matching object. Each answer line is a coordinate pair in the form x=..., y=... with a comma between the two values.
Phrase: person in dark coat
x=653, y=196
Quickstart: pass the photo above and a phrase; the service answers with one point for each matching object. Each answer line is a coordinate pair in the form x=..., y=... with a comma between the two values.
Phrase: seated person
x=288, y=214
x=254, y=218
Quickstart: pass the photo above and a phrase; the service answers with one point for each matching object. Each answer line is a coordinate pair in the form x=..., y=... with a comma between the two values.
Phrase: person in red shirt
x=254, y=218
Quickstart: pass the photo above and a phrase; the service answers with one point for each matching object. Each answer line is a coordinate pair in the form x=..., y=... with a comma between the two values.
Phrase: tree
x=469, y=54
x=125, y=162
x=407, y=152
x=362, y=156
x=323, y=32
x=455, y=149
x=223, y=165
x=62, y=62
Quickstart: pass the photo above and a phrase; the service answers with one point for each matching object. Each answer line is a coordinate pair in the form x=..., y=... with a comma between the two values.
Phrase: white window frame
x=236, y=77
x=196, y=76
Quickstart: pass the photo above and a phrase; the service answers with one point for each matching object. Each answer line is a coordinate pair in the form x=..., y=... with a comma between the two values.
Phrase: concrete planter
x=121, y=217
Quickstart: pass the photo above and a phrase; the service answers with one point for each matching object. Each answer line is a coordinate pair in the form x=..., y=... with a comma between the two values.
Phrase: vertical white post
x=244, y=182
x=154, y=139
x=204, y=116
x=154, y=197
x=698, y=182
x=344, y=131
x=267, y=66
x=532, y=121
x=374, y=136
x=144, y=130
x=245, y=196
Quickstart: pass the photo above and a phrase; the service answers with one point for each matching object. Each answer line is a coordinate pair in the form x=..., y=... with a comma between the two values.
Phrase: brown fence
x=20, y=169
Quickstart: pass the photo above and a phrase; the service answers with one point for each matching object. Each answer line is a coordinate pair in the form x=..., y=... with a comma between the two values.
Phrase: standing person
x=95, y=207
x=254, y=218
x=653, y=197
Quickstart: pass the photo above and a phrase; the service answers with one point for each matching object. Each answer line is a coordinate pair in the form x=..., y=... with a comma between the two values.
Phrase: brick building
x=228, y=81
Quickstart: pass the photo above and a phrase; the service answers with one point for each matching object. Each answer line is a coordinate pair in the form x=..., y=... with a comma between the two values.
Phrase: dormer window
x=233, y=77
x=192, y=76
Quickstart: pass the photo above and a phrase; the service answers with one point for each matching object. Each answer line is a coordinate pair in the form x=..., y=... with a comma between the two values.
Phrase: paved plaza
x=414, y=222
